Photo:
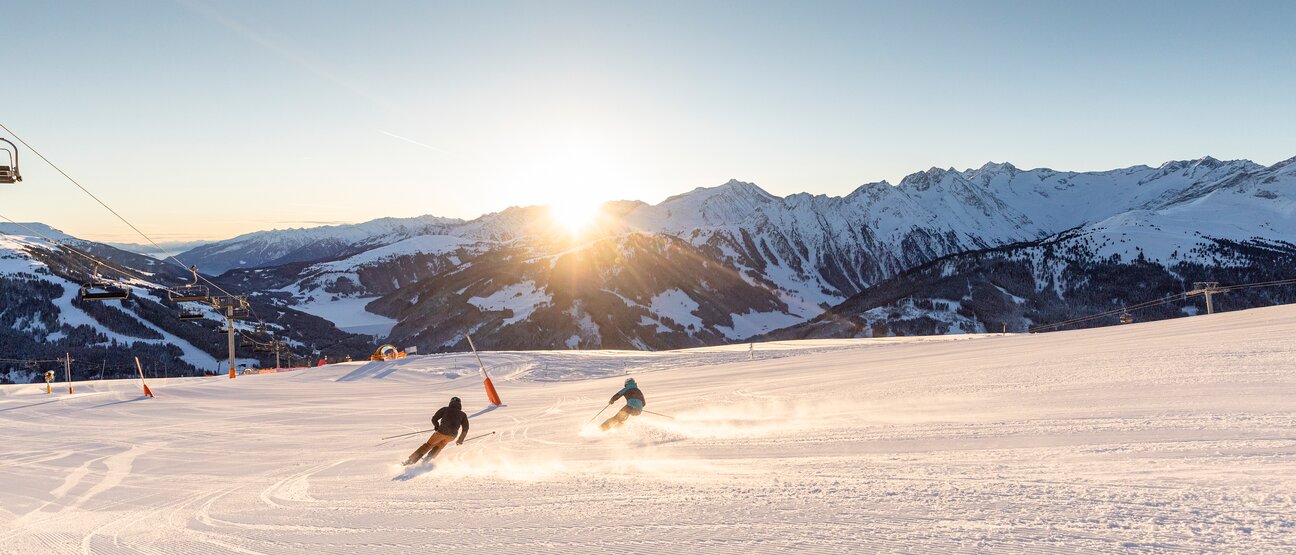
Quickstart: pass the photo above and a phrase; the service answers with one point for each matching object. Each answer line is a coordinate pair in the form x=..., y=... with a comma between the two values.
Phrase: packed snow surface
x=1174, y=436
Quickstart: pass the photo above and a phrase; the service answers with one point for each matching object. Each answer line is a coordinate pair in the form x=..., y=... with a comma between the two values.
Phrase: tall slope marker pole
x=490, y=388
x=141, y=374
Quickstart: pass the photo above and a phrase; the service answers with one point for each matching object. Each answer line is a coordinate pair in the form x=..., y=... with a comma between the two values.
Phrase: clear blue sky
x=208, y=119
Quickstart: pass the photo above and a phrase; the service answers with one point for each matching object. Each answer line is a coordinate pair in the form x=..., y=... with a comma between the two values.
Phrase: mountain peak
x=730, y=189
x=924, y=180
x=743, y=187
x=994, y=167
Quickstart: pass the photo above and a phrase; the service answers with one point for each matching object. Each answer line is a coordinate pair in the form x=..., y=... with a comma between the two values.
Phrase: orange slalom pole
x=141, y=374
x=491, y=394
x=490, y=387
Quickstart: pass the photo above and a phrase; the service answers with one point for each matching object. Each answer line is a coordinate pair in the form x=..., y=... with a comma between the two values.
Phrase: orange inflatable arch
x=387, y=352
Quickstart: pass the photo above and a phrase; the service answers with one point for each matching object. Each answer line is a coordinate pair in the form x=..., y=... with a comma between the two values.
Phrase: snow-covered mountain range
x=941, y=251
x=272, y=248
x=763, y=262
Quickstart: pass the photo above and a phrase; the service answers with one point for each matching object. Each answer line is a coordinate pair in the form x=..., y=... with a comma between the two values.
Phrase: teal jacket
x=634, y=398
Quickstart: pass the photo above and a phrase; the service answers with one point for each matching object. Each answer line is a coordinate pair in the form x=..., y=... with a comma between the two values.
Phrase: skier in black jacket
x=449, y=421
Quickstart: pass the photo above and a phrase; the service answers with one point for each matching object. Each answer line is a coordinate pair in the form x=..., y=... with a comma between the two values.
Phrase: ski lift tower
x=1206, y=289
x=233, y=308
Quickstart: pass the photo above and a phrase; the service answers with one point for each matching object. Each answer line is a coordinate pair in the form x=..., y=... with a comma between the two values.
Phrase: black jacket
x=449, y=420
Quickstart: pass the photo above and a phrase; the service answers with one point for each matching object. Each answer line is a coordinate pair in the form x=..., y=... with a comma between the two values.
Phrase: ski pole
x=478, y=437
x=410, y=434
x=599, y=412
x=658, y=414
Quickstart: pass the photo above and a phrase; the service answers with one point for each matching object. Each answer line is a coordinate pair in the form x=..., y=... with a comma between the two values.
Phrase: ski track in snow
x=1165, y=437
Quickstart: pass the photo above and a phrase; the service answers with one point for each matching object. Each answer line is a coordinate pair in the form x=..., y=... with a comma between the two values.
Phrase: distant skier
x=633, y=407
x=449, y=421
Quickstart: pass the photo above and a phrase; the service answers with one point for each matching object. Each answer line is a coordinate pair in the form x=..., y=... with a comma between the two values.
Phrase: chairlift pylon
x=193, y=292
x=103, y=290
x=236, y=308
x=10, y=173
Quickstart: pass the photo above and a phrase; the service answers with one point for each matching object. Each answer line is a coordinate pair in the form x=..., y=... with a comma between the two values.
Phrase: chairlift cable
x=1168, y=299
x=122, y=218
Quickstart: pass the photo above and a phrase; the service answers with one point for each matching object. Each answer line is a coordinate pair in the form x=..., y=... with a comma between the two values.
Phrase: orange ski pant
x=435, y=444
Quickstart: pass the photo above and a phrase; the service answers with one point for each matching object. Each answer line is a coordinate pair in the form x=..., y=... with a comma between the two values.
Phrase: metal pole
x=229, y=331
x=478, y=437
x=409, y=434
x=1210, y=306
x=474, y=350
x=599, y=412
x=658, y=414
x=67, y=370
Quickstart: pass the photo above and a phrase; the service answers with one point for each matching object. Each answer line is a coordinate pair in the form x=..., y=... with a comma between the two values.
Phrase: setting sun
x=574, y=214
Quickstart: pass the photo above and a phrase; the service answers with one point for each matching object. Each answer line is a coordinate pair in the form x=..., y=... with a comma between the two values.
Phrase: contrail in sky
x=414, y=142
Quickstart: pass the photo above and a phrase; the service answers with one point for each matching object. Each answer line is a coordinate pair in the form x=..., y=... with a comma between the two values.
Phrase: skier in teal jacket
x=633, y=407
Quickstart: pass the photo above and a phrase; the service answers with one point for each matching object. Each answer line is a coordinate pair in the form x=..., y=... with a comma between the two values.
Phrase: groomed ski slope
x=1175, y=436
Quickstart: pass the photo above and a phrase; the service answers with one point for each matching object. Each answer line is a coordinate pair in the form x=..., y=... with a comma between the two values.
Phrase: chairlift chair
x=193, y=292
x=9, y=173
x=102, y=290
x=267, y=347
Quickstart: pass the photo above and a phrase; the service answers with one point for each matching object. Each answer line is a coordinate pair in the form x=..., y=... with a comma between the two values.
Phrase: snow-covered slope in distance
x=282, y=246
x=813, y=252
x=17, y=245
x=1160, y=437
x=1237, y=230
x=42, y=317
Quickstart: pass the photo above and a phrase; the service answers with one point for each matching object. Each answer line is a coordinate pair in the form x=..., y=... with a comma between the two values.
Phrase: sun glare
x=575, y=214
